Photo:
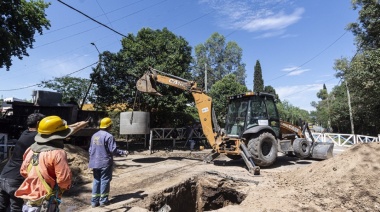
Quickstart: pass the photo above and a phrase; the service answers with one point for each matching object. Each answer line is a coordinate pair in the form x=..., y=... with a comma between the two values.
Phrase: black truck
x=13, y=121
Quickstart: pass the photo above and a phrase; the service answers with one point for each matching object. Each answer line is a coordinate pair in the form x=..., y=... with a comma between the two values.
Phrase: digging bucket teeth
x=322, y=150
x=147, y=84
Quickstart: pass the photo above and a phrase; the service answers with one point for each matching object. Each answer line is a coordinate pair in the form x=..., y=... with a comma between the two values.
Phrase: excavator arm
x=147, y=84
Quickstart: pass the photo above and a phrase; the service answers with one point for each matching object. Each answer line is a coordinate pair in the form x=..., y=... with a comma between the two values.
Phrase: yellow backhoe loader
x=253, y=129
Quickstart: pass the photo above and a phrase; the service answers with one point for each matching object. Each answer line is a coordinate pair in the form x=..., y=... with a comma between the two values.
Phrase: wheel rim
x=304, y=147
x=266, y=147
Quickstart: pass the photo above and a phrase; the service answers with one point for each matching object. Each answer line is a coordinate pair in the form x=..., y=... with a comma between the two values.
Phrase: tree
x=367, y=29
x=220, y=59
x=19, y=22
x=322, y=94
x=292, y=114
x=322, y=110
x=258, y=82
x=70, y=87
x=270, y=89
x=160, y=49
x=339, y=112
x=359, y=75
x=219, y=92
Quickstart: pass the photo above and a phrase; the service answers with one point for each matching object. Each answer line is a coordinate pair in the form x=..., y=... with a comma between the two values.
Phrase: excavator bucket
x=147, y=84
x=322, y=150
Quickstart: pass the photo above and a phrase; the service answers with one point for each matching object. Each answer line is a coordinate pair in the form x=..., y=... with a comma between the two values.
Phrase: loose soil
x=181, y=181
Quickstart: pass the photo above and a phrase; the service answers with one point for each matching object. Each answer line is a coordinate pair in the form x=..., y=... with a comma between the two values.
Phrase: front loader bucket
x=322, y=150
x=147, y=84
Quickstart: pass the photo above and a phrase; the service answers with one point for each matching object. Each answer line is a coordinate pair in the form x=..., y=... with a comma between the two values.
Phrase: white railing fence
x=344, y=139
x=338, y=139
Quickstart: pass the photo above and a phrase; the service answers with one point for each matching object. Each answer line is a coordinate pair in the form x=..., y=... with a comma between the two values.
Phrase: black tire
x=234, y=157
x=301, y=147
x=290, y=154
x=263, y=149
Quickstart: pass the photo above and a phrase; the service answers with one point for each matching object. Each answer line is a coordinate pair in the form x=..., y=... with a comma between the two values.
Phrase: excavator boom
x=147, y=84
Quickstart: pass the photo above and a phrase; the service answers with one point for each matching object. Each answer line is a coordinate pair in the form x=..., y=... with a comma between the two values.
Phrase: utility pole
x=350, y=109
x=349, y=98
x=206, y=77
x=96, y=70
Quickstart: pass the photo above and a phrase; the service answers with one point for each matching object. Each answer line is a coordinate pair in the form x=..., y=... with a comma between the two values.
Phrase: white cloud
x=253, y=16
x=271, y=34
x=271, y=22
x=289, y=36
x=294, y=71
x=297, y=72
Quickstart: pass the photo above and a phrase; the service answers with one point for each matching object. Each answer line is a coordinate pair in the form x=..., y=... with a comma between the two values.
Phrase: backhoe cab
x=253, y=130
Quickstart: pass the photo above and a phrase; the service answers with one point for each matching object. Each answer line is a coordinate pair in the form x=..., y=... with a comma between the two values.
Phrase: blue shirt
x=102, y=149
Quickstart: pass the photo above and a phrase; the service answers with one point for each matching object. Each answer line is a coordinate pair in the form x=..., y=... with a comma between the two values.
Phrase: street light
x=97, y=67
x=95, y=47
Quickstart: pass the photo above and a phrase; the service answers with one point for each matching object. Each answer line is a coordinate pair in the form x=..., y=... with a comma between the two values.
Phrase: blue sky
x=296, y=42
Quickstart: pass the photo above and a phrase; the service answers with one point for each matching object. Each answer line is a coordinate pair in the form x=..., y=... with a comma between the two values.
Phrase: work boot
x=94, y=205
x=104, y=204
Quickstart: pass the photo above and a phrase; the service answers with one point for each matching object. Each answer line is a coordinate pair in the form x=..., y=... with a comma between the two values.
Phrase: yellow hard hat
x=51, y=124
x=105, y=122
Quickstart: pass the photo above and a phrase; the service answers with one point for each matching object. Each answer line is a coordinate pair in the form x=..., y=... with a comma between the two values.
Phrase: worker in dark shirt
x=10, y=178
x=101, y=151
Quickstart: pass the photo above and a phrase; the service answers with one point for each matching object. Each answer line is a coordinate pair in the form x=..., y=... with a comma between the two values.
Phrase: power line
x=357, y=51
x=38, y=84
x=310, y=58
x=191, y=21
x=97, y=21
x=305, y=89
x=104, y=12
x=92, y=18
x=52, y=31
x=70, y=36
x=45, y=44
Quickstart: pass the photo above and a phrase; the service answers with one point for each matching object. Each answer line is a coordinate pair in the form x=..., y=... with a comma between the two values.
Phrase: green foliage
x=339, y=113
x=322, y=94
x=292, y=114
x=258, y=82
x=367, y=29
x=115, y=117
x=160, y=49
x=360, y=75
x=19, y=22
x=70, y=87
x=219, y=92
x=220, y=59
x=270, y=89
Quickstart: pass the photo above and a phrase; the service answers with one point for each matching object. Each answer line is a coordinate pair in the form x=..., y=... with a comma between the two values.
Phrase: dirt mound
x=347, y=182
x=78, y=162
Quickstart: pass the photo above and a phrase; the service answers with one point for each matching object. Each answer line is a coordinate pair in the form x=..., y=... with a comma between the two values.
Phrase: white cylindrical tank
x=134, y=123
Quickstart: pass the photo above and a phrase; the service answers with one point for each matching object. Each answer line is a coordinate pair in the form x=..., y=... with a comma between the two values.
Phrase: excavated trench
x=201, y=193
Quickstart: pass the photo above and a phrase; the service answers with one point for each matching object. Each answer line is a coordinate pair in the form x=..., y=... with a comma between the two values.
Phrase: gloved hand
x=125, y=153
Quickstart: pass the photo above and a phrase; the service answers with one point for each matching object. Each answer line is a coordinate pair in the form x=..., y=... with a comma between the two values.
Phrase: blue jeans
x=101, y=185
x=27, y=208
x=7, y=197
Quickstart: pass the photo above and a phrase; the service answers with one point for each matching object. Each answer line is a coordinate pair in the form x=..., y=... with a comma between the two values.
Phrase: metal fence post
x=150, y=141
